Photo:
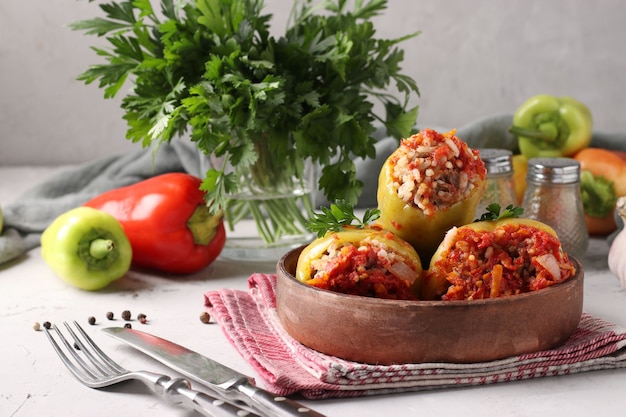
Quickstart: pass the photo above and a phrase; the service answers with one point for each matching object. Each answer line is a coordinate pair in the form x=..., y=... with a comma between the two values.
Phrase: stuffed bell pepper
x=489, y=259
x=366, y=261
x=431, y=183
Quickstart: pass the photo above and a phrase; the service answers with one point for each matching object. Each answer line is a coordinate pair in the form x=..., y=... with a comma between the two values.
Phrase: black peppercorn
x=110, y=315
x=126, y=315
x=205, y=317
x=128, y=326
x=47, y=324
x=91, y=320
x=142, y=318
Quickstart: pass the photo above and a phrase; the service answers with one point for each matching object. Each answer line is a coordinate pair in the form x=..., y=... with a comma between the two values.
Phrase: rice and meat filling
x=434, y=171
x=368, y=268
x=508, y=261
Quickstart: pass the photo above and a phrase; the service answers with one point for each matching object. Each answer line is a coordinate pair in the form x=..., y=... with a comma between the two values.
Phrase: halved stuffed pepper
x=491, y=259
x=367, y=261
x=431, y=183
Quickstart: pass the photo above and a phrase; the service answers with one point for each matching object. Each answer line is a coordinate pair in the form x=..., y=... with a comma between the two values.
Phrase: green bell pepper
x=547, y=126
x=597, y=193
x=87, y=248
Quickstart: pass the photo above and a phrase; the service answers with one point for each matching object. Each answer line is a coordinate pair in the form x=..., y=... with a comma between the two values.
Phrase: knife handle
x=178, y=391
x=279, y=406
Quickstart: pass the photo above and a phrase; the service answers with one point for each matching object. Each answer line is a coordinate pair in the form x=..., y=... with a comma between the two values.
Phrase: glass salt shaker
x=499, y=186
x=553, y=197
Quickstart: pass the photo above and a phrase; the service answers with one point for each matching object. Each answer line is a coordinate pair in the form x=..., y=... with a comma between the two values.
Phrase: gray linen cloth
x=27, y=217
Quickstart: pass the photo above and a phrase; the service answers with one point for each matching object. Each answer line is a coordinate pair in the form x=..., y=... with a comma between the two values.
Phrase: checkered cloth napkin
x=250, y=323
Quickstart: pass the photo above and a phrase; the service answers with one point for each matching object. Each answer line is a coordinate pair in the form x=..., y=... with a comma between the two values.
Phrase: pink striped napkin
x=285, y=366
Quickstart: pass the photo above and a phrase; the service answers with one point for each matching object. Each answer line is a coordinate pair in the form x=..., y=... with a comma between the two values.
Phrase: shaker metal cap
x=554, y=170
x=497, y=161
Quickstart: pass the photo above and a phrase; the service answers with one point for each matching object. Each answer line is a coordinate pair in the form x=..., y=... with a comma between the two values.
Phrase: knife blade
x=228, y=383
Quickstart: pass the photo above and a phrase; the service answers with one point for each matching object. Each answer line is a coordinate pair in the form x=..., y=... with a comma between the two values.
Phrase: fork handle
x=178, y=391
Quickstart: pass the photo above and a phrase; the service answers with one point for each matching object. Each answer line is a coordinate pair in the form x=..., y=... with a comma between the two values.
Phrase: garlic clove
x=617, y=251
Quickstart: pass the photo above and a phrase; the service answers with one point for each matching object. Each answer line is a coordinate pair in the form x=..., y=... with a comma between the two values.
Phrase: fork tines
x=83, y=357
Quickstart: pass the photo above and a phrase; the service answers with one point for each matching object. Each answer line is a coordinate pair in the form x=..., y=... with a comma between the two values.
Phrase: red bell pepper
x=167, y=222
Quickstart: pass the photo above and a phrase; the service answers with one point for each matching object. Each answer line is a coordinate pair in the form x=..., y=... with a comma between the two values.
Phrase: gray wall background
x=474, y=58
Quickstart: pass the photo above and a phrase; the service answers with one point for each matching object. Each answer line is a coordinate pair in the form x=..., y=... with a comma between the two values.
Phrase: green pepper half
x=548, y=126
x=87, y=248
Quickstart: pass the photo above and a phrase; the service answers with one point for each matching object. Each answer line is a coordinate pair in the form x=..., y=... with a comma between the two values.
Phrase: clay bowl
x=385, y=332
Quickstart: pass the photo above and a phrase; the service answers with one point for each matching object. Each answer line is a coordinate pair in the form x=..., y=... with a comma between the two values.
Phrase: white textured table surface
x=35, y=383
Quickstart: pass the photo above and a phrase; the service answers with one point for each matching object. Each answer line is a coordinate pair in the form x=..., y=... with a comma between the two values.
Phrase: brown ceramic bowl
x=381, y=331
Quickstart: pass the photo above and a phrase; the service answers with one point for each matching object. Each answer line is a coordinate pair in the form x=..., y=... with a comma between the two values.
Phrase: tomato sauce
x=361, y=271
x=511, y=260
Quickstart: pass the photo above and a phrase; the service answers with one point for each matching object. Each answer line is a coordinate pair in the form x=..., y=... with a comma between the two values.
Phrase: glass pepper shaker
x=499, y=186
x=553, y=197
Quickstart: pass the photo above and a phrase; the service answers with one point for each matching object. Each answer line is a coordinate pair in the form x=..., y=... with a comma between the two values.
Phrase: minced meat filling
x=360, y=270
x=511, y=260
x=433, y=171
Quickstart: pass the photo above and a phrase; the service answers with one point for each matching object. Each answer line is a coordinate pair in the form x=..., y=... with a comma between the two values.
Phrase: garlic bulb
x=617, y=252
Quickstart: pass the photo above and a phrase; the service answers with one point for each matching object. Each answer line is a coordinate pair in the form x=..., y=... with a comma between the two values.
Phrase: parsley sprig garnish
x=493, y=212
x=339, y=215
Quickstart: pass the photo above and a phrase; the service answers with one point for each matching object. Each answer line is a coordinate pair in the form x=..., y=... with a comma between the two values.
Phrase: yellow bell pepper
x=520, y=171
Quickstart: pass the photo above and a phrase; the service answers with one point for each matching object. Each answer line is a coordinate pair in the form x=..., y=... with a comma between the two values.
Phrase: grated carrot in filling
x=496, y=280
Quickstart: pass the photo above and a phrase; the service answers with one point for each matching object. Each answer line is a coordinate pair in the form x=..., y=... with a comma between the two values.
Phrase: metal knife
x=225, y=382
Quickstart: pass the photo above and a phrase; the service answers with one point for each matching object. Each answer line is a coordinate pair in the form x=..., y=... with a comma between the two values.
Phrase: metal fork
x=91, y=366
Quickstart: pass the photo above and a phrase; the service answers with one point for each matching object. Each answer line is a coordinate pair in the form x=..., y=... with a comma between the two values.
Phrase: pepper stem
x=545, y=133
x=203, y=224
x=100, y=248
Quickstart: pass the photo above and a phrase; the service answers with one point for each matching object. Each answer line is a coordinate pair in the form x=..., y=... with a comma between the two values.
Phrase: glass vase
x=267, y=215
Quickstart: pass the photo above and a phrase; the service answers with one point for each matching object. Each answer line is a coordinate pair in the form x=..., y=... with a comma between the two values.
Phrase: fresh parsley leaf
x=493, y=212
x=339, y=215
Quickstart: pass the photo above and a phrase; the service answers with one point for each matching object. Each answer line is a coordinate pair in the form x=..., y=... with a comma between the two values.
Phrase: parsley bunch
x=210, y=68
